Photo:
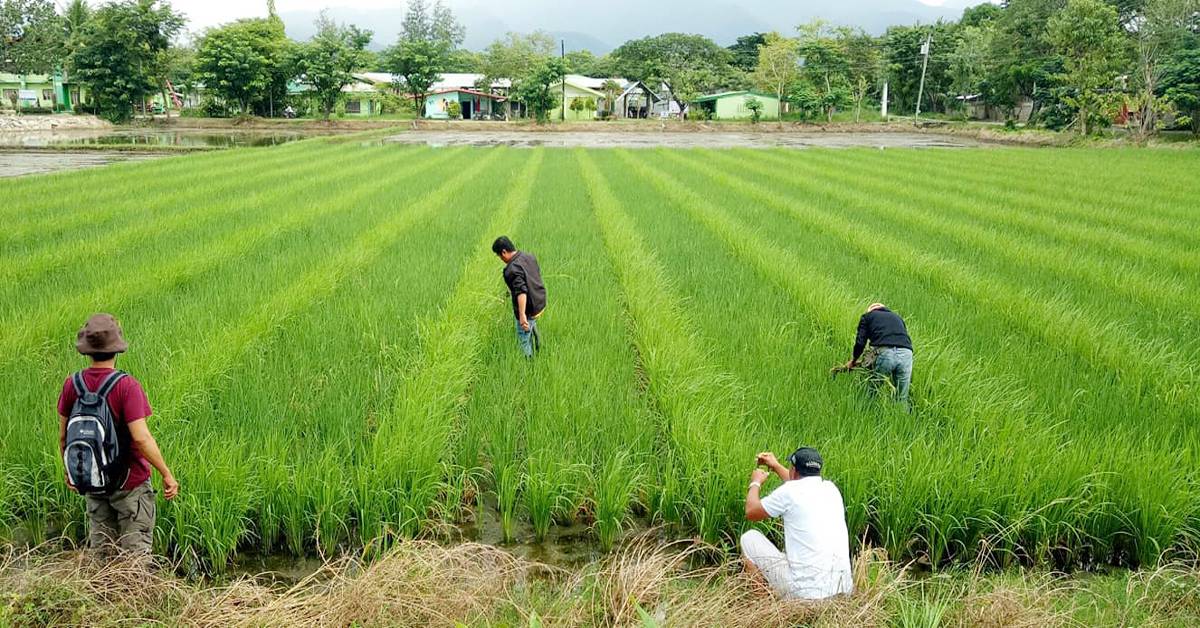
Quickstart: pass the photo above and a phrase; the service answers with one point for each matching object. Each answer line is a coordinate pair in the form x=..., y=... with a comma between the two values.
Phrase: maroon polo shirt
x=128, y=403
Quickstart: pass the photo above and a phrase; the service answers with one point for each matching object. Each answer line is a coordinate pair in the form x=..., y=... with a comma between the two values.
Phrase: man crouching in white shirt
x=816, y=560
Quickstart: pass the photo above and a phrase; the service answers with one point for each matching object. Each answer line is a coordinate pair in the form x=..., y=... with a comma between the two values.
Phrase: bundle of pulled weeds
x=421, y=583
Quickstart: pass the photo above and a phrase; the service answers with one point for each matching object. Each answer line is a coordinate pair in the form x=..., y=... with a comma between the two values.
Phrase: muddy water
x=166, y=138
x=18, y=163
x=614, y=139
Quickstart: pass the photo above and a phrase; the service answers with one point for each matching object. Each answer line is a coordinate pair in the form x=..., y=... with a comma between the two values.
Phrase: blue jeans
x=528, y=340
x=894, y=366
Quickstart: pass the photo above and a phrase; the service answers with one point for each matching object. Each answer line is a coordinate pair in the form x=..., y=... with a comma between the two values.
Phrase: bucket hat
x=101, y=334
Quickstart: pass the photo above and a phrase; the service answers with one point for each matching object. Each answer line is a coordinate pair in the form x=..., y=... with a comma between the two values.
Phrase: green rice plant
x=701, y=404
x=329, y=349
x=431, y=395
x=166, y=215
x=548, y=486
x=616, y=489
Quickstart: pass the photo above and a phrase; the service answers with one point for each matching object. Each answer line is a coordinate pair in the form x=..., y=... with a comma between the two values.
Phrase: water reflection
x=196, y=138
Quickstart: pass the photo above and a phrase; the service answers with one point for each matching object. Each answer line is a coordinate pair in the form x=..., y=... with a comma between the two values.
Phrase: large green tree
x=1180, y=86
x=243, y=61
x=535, y=89
x=514, y=55
x=74, y=16
x=424, y=49
x=586, y=62
x=968, y=69
x=1162, y=28
x=826, y=69
x=687, y=65
x=31, y=36
x=778, y=65
x=1087, y=34
x=745, y=51
x=326, y=62
x=1022, y=63
x=864, y=63
x=903, y=59
x=120, y=53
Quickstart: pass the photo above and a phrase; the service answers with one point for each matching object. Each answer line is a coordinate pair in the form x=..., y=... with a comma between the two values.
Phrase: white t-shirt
x=815, y=538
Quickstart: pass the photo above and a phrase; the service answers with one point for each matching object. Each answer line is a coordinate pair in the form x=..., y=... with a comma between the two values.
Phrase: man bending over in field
x=893, y=349
x=105, y=445
x=524, y=280
x=815, y=563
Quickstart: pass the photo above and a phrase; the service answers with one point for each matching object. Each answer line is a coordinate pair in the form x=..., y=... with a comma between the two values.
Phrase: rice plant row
x=324, y=337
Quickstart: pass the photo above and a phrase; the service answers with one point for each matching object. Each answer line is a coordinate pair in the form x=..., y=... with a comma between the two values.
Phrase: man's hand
x=524, y=324
x=767, y=458
x=850, y=365
x=758, y=475
x=170, y=487
x=67, y=478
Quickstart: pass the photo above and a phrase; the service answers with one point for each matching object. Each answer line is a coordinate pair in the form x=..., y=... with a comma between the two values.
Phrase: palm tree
x=611, y=88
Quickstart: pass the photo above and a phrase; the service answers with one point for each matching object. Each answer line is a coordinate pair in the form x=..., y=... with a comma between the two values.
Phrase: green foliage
x=326, y=61
x=1181, y=86
x=424, y=48
x=689, y=65
x=903, y=59
x=832, y=78
x=755, y=106
x=247, y=63
x=391, y=102
x=1087, y=35
x=535, y=89
x=778, y=65
x=513, y=56
x=612, y=91
x=1023, y=63
x=586, y=62
x=968, y=62
x=120, y=53
x=745, y=51
x=454, y=110
x=32, y=36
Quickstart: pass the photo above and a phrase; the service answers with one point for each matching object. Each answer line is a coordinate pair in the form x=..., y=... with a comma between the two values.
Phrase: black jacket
x=884, y=328
x=523, y=276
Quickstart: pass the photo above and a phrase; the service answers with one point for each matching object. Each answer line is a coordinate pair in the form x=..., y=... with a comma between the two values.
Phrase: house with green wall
x=359, y=99
x=51, y=92
x=575, y=90
x=732, y=105
x=472, y=104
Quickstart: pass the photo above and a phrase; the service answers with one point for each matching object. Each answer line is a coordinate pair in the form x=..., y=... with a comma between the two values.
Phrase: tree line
x=1061, y=63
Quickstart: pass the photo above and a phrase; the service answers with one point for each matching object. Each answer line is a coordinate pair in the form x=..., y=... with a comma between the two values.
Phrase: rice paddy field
x=328, y=346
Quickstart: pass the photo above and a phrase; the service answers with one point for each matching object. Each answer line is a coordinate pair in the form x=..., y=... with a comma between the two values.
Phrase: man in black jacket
x=524, y=280
x=888, y=336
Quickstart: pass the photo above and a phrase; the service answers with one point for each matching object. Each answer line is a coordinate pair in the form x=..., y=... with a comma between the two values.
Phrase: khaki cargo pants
x=124, y=519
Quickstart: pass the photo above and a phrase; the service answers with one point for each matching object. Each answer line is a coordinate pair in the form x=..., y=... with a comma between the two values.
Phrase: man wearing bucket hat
x=815, y=562
x=123, y=516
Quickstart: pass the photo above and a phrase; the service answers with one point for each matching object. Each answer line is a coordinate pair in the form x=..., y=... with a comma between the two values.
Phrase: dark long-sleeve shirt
x=883, y=328
x=523, y=276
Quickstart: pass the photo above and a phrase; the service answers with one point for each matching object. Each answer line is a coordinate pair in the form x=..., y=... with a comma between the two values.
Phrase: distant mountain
x=601, y=26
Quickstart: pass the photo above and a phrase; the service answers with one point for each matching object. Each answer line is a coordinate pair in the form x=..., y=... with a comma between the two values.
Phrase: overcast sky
x=204, y=13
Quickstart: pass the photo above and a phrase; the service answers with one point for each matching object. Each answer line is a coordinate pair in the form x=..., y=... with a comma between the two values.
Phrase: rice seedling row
x=324, y=335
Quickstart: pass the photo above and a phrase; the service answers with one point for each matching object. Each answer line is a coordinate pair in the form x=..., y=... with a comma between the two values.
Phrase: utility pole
x=883, y=103
x=924, y=66
x=562, y=54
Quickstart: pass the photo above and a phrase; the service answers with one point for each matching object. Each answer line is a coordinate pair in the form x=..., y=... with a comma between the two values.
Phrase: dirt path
x=650, y=139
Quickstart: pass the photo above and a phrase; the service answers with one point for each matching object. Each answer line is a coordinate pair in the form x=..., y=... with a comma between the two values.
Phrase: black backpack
x=95, y=449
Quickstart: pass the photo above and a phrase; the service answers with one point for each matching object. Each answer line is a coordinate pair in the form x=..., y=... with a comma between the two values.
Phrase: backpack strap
x=109, y=383
x=77, y=382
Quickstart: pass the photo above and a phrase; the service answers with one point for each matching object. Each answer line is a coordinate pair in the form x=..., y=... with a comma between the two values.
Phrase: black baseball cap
x=806, y=461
